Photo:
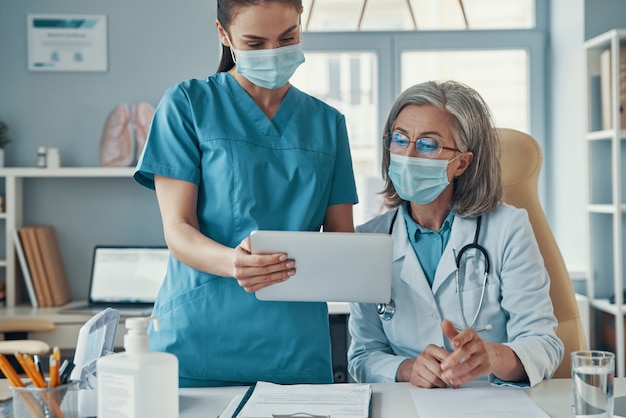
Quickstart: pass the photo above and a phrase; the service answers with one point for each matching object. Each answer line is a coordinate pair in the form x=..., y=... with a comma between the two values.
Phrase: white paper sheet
x=338, y=401
x=480, y=402
x=231, y=407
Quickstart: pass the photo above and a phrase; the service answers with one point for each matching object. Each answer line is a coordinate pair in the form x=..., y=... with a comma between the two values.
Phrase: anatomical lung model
x=124, y=134
x=143, y=119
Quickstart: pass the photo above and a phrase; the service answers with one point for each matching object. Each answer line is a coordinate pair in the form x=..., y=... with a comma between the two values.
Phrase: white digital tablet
x=330, y=266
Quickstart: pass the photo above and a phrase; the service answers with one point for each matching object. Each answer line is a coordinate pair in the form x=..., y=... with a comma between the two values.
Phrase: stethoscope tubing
x=387, y=310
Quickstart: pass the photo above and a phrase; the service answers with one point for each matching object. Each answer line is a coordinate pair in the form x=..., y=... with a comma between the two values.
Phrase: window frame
x=389, y=46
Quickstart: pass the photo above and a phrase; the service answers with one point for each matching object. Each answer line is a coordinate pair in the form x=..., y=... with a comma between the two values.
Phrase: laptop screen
x=127, y=274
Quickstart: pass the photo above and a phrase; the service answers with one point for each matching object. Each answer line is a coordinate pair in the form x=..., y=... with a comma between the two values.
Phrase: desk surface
x=67, y=325
x=389, y=399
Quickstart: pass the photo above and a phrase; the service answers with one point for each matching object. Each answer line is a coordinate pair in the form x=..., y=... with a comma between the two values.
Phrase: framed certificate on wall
x=67, y=42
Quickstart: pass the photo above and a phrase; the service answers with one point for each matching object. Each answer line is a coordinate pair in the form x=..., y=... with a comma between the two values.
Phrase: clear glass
x=348, y=81
x=393, y=15
x=500, y=76
x=59, y=401
x=593, y=373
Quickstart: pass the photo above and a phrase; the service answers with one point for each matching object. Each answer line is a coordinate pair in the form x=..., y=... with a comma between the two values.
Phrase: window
x=504, y=90
x=395, y=15
x=348, y=81
x=362, y=71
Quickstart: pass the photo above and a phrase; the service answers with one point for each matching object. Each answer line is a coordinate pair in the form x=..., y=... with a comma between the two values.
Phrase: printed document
x=337, y=401
x=479, y=402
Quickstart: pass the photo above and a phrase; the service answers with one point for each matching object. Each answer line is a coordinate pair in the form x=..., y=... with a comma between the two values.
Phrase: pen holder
x=56, y=402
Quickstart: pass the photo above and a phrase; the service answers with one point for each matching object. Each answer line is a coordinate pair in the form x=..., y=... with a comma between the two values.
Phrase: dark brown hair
x=226, y=11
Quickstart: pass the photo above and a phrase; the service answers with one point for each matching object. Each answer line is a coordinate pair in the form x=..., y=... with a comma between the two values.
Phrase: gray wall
x=604, y=15
x=151, y=45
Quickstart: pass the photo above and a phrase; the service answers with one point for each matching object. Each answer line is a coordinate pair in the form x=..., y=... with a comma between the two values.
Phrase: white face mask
x=419, y=180
x=268, y=68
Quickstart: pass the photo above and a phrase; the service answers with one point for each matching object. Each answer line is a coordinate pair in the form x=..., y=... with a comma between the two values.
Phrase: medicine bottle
x=42, y=157
x=53, y=159
x=137, y=383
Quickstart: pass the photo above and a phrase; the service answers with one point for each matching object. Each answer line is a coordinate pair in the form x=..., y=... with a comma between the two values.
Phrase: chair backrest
x=521, y=163
x=19, y=327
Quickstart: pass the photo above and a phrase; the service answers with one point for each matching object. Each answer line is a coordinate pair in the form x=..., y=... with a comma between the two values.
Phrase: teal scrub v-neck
x=252, y=173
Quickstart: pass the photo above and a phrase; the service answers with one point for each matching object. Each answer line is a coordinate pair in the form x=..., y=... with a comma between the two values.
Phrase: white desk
x=390, y=400
x=67, y=325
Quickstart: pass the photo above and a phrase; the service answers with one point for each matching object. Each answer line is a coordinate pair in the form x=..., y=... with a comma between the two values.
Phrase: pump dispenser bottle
x=138, y=383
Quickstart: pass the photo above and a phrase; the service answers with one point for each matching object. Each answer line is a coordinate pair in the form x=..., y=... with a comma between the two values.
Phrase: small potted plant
x=4, y=140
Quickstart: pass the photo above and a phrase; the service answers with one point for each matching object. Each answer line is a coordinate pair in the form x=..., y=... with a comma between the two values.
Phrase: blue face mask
x=269, y=68
x=419, y=180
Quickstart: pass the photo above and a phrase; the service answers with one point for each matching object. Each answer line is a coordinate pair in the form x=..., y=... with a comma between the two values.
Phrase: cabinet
x=606, y=148
x=12, y=217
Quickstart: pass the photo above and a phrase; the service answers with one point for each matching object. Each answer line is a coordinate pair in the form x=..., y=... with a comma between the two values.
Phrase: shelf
x=14, y=184
x=604, y=40
x=607, y=208
x=601, y=208
x=26, y=172
x=605, y=306
x=604, y=135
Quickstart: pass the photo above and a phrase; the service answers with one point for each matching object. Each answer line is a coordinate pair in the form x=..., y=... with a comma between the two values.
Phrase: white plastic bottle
x=138, y=383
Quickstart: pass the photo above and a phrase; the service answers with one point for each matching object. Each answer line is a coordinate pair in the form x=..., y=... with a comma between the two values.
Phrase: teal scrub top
x=252, y=173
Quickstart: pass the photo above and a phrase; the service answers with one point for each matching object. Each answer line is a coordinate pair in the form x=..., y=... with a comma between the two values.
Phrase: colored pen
x=65, y=377
x=63, y=366
x=38, y=365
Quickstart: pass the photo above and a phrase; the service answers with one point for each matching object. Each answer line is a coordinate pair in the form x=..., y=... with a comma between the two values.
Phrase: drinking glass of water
x=592, y=381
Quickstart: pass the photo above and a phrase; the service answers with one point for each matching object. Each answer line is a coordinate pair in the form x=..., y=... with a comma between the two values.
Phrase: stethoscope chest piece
x=386, y=310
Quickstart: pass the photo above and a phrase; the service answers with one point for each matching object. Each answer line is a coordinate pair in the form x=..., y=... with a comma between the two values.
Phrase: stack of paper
x=480, y=402
x=269, y=400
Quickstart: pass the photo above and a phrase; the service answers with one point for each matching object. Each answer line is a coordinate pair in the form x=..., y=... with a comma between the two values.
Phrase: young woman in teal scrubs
x=239, y=151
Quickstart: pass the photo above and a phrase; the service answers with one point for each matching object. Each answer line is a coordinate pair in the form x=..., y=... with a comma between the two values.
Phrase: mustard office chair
x=15, y=331
x=521, y=163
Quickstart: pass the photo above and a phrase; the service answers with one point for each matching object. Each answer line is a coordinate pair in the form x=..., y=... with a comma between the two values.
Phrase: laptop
x=330, y=266
x=126, y=278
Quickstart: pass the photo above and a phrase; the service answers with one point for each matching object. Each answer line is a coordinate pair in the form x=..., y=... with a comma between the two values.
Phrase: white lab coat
x=517, y=304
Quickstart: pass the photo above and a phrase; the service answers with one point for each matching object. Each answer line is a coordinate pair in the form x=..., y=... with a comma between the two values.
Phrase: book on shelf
x=606, y=88
x=43, y=265
x=21, y=257
x=33, y=261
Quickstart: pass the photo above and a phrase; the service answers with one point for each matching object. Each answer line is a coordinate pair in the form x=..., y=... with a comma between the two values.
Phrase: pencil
x=10, y=373
x=31, y=371
x=15, y=381
x=55, y=359
x=27, y=363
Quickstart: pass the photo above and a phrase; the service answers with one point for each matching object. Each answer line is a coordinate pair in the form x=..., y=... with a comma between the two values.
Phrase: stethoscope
x=387, y=310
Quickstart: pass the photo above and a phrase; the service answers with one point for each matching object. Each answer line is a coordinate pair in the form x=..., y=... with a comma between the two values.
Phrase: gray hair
x=478, y=190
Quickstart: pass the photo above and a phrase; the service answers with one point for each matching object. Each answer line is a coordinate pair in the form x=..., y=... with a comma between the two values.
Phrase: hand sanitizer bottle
x=138, y=383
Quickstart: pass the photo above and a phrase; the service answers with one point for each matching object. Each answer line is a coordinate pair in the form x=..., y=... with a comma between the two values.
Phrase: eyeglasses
x=397, y=143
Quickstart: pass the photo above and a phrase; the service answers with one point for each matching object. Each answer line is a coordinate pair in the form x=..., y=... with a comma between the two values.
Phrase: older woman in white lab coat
x=442, y=182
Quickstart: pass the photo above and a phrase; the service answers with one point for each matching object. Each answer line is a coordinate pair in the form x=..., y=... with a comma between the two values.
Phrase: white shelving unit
x=607, y=187
x=12, y=217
